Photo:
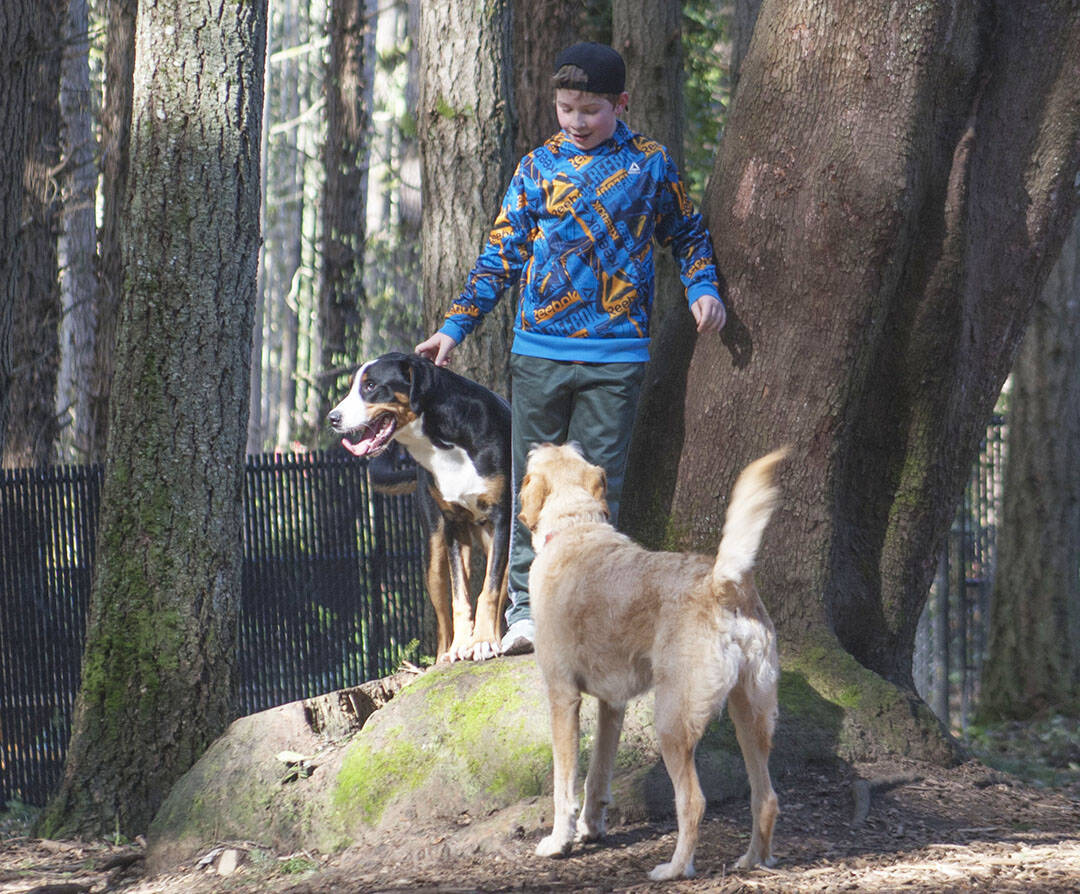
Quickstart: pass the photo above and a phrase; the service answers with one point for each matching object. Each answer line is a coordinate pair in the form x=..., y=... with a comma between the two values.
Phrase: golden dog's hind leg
x=565, y=706
x=592, y=824
x=753, y=722
x=679, y=734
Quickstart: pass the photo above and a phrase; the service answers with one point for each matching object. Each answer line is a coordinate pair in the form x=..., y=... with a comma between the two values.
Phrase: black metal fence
x=951, y=640
x=332, y=595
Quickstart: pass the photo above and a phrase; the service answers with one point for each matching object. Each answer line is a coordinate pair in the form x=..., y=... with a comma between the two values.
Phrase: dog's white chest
x=454, y=473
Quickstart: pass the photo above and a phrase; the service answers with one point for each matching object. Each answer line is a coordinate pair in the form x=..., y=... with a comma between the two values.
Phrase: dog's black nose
x=334, y=418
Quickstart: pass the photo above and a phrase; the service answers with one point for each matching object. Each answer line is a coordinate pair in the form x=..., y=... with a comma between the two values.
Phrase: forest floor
x=1007, y=821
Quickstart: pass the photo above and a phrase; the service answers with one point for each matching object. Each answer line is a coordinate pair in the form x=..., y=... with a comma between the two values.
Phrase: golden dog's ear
x=596, y=485
x=534, y=490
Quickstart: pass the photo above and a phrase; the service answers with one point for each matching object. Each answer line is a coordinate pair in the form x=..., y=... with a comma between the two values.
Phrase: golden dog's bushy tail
x=752, y=502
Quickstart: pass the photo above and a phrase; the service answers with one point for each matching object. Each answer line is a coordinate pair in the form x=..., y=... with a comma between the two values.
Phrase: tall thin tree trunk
x=78, y=240
x=1033, y=666
x=466, y=139
x=348, y=122
x=115, y=142
x=31, y=428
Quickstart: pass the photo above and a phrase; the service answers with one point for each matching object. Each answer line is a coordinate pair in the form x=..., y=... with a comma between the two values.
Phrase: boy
x=577, y=225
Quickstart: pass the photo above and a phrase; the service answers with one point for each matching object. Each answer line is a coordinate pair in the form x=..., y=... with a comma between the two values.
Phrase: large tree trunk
x=649, y=37
x=156, y=674
x=466, y=144
x=30, y=431
x=78, y=240
x=1033, y=665
x=892, y=186
x=115, y=145
x=539, y=35
x=348, y=94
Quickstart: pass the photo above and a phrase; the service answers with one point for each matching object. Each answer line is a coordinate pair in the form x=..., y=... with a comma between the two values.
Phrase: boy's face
x=587, y=118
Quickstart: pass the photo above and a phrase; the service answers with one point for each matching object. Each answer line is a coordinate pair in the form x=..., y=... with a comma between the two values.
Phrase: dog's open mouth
x=373, y=438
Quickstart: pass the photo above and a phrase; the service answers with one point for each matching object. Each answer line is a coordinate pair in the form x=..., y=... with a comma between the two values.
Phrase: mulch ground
x=896, y=826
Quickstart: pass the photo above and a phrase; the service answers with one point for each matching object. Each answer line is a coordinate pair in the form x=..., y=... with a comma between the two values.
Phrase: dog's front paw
x=484, y=650
x=750, y=860
x=591, y=830
x=668, y=871
x=553, y=846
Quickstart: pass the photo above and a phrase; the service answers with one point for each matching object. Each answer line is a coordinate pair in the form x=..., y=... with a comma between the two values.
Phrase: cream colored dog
x=613, y=619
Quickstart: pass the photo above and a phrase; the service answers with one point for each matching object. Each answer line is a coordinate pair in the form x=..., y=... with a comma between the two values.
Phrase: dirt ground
x=969, y=828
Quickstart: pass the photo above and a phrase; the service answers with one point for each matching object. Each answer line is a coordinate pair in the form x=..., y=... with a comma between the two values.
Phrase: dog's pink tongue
x=360, y=448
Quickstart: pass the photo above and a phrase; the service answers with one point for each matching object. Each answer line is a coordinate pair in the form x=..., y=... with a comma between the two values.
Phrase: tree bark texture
x=540, y=33
x=649, y=38
x=348, y=93
x=466, y=144
x=893, y=185
x=78, y=240
x=115, y=149
x=1033, y=662
x=161, y=633
x=30, y=431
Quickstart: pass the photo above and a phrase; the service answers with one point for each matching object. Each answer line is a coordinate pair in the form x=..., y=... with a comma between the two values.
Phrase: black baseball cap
x=604, y=67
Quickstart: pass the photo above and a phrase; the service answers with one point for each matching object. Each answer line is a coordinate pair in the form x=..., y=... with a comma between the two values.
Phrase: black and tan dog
x=613, y=619
x=459, y=434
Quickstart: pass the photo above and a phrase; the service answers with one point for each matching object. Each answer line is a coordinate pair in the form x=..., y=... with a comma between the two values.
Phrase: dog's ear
x=597, y=487
x=534, y=491
x=421, y=375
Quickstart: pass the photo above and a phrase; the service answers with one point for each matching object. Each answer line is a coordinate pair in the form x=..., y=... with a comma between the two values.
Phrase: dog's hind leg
x=592, y=824
x=679, y=730
x=753, y=720
x=565, y=706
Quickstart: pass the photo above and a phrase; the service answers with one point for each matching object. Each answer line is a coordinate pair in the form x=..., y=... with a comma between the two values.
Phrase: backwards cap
x=603, y=67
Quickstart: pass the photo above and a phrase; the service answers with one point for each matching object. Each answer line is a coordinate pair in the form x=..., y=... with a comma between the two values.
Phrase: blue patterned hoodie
x=576, y=228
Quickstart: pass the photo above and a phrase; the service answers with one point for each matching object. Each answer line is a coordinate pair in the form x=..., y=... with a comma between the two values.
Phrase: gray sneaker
x=518, y=640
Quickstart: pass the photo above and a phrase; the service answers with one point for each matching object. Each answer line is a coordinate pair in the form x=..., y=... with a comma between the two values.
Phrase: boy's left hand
x=709, y=314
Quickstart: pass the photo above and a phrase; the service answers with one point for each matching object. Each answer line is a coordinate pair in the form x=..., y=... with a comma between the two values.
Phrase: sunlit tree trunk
x=157, y=670
x=1033, y=662
x=78, y=240
x=892, y=186
x=115, y=143
x=466, y=145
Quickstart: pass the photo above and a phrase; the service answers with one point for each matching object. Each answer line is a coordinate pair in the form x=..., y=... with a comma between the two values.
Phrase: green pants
x=558, y=401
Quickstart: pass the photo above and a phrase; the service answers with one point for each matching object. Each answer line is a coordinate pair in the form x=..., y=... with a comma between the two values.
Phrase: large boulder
x=461, y=754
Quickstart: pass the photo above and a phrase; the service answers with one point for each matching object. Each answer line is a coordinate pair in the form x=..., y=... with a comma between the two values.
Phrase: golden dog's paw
x=667, y=871
x=590, y=831
x=751, y=860
x=553, y=846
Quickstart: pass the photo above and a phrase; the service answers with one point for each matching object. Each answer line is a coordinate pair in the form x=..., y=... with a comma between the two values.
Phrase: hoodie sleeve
x=681, y=229
x=500, y=263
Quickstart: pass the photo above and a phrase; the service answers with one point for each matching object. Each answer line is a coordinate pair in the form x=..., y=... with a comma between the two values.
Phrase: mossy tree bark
x=1033, y=661
x=892, y=189
x=466, y=143
x=156, y=684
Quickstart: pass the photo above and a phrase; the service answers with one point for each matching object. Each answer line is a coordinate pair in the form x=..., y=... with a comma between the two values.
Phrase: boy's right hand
x=437, y=348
